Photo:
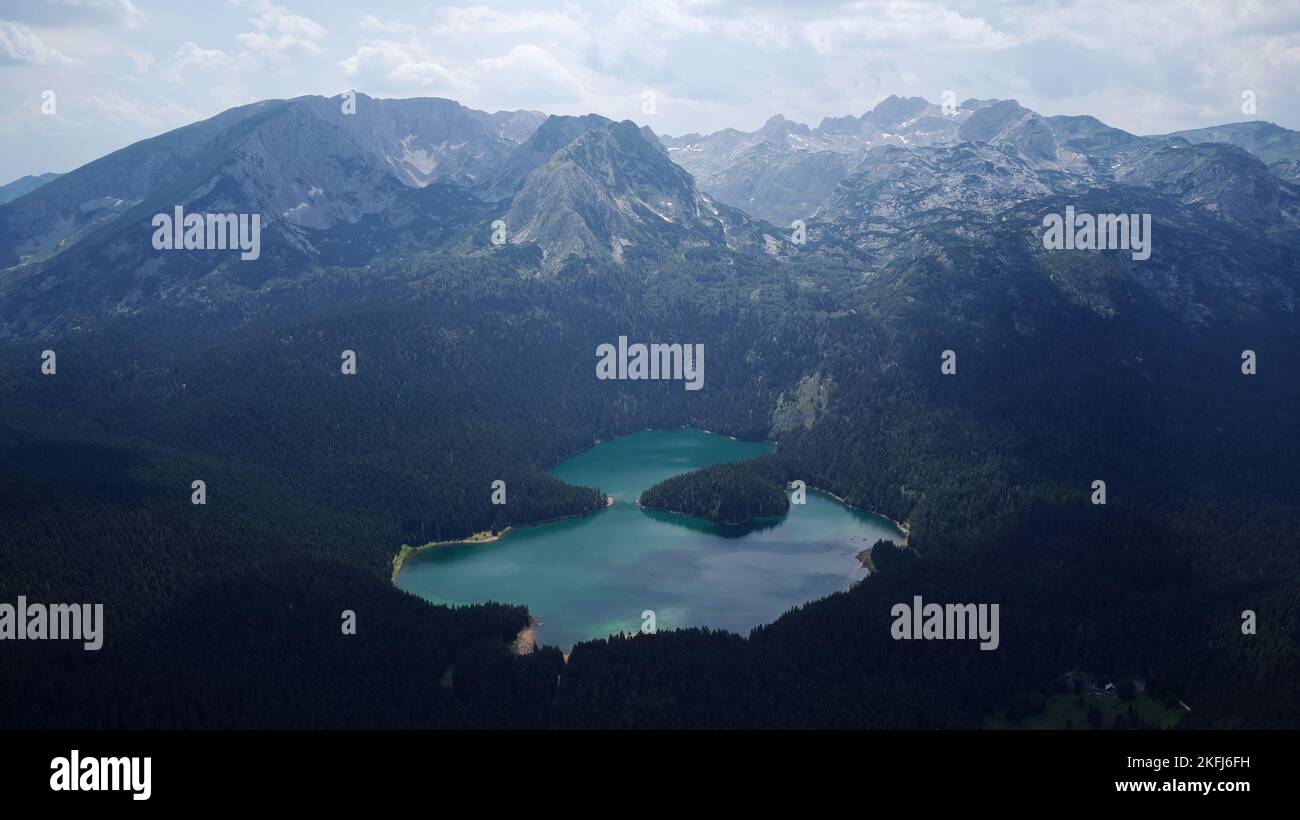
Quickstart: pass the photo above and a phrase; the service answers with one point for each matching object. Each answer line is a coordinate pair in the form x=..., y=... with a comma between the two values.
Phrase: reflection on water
x=594, y=576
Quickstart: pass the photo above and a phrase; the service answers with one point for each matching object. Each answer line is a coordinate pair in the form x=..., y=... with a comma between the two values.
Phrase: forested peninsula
x=734, y=493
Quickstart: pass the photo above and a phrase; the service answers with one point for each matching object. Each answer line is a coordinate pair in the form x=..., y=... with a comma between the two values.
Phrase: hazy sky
x=123, y=70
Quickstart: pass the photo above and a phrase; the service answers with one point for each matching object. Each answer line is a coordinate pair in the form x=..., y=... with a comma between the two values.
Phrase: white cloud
x=118, y=110
x=142, y=61
x=1148, y=67
x=492, y=56
x=279, y=35
x=903, y=27
x=68, y=13
x=19, y=44
x=534, y=68
x=404, y=65
x=372, y=23
x=192, y=56
x=483, y=21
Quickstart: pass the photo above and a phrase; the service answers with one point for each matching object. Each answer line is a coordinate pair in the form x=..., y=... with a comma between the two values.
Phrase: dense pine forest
x=228, y=614
x=725, y=493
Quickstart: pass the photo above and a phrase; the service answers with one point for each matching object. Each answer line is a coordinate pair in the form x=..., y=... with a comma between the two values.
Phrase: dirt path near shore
x=399, y=560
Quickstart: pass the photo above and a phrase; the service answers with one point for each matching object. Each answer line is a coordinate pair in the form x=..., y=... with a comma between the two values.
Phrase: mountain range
x=786, y=170
x=420, y=174
x=473, y=262
x=23, y=185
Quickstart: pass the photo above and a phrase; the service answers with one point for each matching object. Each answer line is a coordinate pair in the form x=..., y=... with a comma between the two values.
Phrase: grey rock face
x=904, y=184
x=1271, y=143
x=786, y=170
x=302, y=163
x=610, y=189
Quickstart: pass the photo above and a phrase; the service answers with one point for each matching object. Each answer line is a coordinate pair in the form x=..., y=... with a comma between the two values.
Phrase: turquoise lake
x=592, y=577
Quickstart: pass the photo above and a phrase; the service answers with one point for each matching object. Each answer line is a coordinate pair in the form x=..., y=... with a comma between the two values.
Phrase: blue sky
x=124, y=70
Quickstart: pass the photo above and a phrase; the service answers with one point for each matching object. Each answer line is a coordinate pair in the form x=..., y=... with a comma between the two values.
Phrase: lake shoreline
x=758, y=519
x=484, y=537
x=864, y=557
x=905, y=527
x=539, y=576
x=526, y=640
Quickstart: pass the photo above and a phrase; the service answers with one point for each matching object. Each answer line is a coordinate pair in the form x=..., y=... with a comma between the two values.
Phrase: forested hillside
x=728, y=494
x=475, y=363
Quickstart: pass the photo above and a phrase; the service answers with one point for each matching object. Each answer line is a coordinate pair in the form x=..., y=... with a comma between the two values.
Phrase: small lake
x=591, y=577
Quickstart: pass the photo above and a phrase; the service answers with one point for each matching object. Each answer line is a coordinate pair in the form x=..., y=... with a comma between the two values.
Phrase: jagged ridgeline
x=475, y=361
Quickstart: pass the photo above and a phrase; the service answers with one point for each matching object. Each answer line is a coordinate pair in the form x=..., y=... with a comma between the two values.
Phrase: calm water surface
x=591, y=577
